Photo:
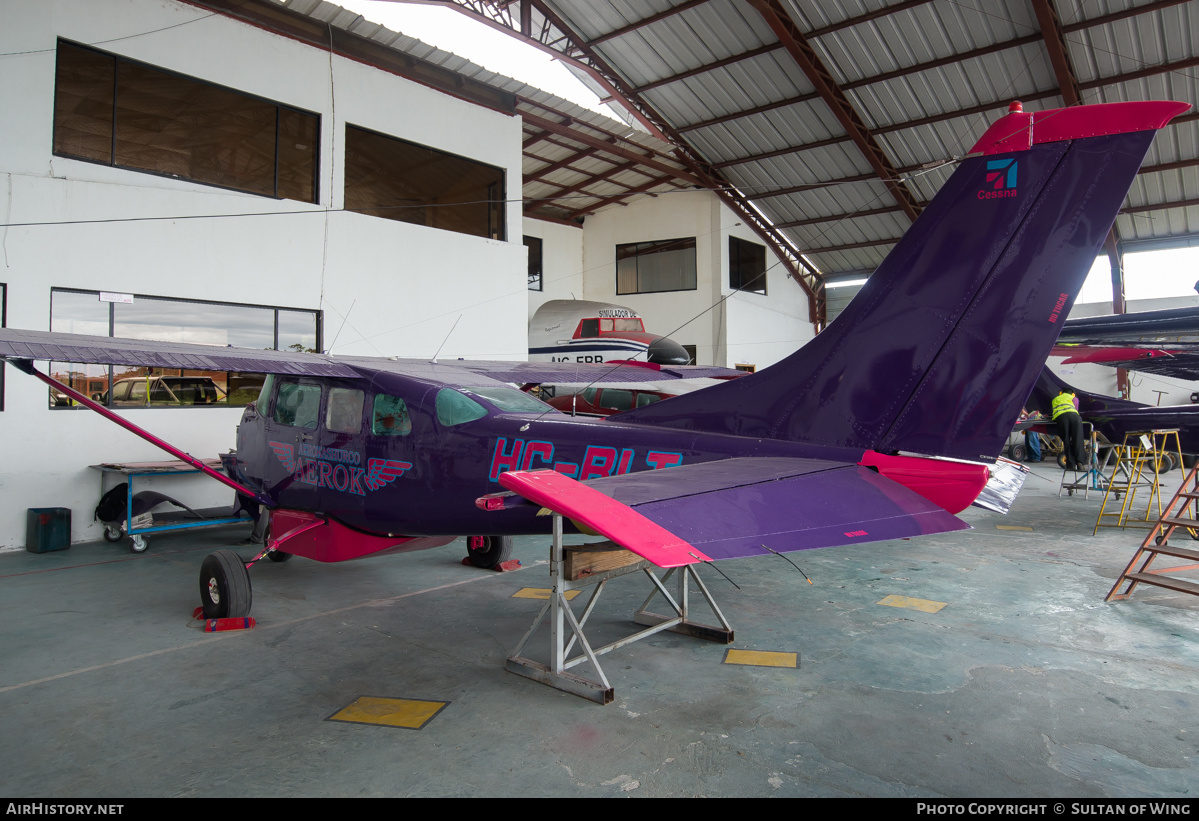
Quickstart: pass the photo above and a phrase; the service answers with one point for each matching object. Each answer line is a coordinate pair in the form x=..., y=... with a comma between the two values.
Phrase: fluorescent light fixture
x=845, y=283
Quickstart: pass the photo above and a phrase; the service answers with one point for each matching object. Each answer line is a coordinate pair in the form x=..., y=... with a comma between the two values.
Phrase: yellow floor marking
x=390, y=712
x=914, y=604
x=761, y=658
x=1012, y=527
x=542, y=593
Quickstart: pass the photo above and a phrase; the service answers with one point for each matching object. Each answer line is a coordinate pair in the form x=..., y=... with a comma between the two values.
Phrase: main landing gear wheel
x=138, y=544
x=112, y=534
x=488, y=552
x=225, y=588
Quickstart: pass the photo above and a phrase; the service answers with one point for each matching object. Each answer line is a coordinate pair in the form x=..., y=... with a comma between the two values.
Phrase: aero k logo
x=1002, y=173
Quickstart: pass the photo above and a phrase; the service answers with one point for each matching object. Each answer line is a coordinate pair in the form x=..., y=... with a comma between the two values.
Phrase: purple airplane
x=933, y=358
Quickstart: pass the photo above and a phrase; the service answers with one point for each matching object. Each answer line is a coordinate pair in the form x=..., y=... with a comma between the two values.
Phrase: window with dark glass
x=173, y=320
x=534, y=245
x=747, y=266
x=651, y=267
x=298, y=405
x=390, y=416
x=114, y=111
x=393, y=178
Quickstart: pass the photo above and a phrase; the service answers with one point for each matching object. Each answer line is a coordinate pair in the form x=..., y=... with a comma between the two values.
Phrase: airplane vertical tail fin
x=938, y=351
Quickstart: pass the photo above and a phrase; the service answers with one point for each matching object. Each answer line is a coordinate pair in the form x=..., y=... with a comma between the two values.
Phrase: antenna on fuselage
x=447, y=339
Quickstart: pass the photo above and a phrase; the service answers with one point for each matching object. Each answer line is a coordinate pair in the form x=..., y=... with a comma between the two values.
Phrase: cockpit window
x=390, y=416
x=298, y=405
x=589, y=328
x=454, y=408
x=510, y=400
x=344, y=414
x=622, y=324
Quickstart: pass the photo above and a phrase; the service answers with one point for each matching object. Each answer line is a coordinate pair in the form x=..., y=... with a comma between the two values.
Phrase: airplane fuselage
x=425, y=481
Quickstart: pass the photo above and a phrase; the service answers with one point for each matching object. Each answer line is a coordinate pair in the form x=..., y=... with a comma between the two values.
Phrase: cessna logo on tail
x=332, y=473
x=1001, y=180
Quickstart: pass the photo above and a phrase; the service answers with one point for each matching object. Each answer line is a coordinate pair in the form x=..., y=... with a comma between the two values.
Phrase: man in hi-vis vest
x=1064, y=411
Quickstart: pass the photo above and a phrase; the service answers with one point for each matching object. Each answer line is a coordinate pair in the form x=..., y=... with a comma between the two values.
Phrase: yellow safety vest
x=1062, y=403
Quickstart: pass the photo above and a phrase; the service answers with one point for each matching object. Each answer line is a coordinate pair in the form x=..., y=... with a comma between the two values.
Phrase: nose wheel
x=225, y=590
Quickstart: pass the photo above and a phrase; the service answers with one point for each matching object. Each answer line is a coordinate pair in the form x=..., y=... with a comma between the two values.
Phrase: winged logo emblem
x=286, y=453
x=380, y=472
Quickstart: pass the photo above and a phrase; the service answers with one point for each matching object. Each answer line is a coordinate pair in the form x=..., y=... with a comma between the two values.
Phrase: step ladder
x=1141, y=459
x=1179, y=517
x=1088, y=478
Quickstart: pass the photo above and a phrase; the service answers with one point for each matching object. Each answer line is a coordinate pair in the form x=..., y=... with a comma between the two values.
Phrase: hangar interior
x=287, y=176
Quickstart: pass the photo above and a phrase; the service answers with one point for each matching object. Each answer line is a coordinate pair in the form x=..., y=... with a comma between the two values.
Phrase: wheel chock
x=221, y=625
x=511, y=564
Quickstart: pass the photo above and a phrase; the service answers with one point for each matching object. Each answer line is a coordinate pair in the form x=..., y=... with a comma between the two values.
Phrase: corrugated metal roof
x=923, y=78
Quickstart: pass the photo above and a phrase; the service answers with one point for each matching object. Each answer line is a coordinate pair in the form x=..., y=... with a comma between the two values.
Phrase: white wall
x=399, y=287
x=746, y=328
x=561, y=262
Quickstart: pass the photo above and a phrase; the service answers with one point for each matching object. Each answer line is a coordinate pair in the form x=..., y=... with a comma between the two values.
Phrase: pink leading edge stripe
x=604, y=515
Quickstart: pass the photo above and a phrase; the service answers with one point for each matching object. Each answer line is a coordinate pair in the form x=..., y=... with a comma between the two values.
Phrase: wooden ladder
x=1157, y=543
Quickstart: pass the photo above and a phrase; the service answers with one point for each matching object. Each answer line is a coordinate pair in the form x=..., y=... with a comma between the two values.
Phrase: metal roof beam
x=1161, y=206
x=807, y=59
x=851, y=246
x=653, y=18
x=604, y=145
x=1120, y=15
x=749, y=112
x=706, y=67
x=615, y=198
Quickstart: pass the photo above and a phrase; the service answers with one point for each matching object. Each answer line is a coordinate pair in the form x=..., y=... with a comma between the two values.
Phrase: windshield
x=510, y=400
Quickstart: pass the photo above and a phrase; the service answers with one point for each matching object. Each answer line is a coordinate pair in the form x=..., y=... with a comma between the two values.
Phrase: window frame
x=694, y=246
x=112, y=161
x=318, y=316
x=537, y=276
x=497, y=197
x=735, y=267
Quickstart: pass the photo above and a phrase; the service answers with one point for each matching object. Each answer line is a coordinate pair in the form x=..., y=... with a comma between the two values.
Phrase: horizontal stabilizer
x=735, y=508
x=603, y=515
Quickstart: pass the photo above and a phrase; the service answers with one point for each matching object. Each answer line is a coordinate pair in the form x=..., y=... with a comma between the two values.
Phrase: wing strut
x=26, y=366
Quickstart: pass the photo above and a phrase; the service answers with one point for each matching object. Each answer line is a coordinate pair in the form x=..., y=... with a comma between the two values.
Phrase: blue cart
x=204, y=517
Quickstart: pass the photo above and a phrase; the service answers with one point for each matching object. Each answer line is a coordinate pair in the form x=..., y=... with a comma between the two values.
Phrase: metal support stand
x=561, y=617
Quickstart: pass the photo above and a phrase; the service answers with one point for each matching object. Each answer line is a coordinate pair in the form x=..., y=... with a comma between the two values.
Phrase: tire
x=112, y=534
x=138, y=544
x=278, y=556
x=225, y=590
x=1061, y=461
x=1188, y=460
x=490, y=552
x=1018, y=453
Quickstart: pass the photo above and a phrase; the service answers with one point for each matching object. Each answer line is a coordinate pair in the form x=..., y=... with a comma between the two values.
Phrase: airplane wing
x=1160, y=342
x=734, y=508
x=16, y=343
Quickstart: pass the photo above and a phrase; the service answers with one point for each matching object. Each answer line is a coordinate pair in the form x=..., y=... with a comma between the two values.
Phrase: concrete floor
x=1024, y=684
